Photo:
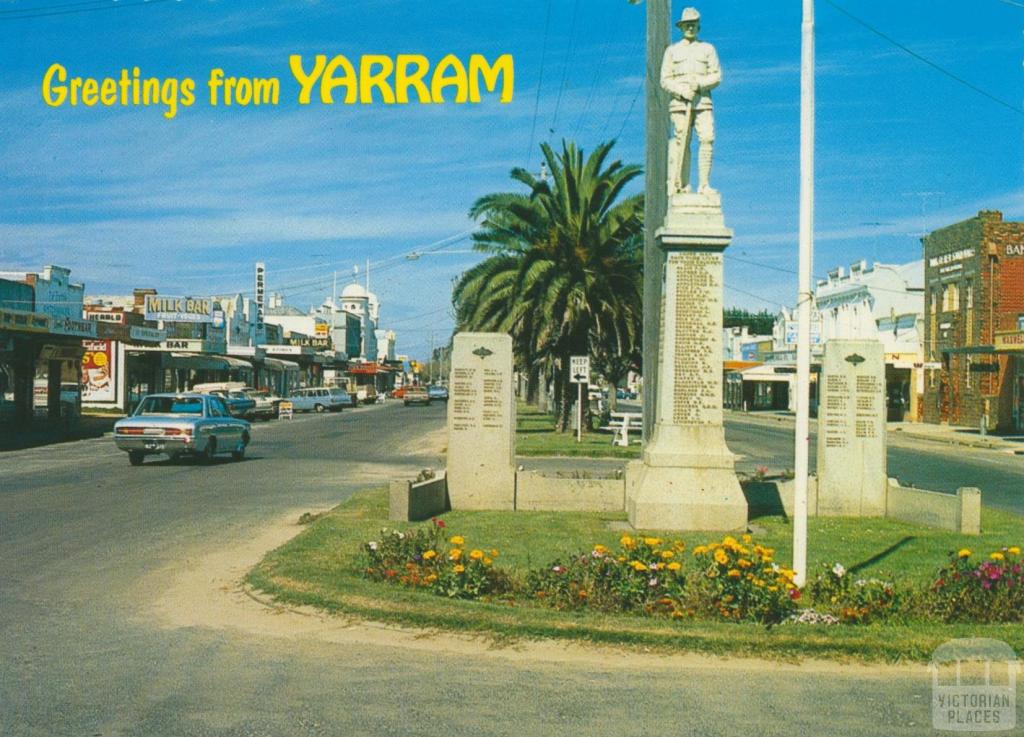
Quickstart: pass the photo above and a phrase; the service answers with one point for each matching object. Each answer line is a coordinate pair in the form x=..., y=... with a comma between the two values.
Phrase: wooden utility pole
x=655, y=199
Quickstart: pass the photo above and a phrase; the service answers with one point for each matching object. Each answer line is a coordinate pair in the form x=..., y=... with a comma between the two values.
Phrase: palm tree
x=565, y=271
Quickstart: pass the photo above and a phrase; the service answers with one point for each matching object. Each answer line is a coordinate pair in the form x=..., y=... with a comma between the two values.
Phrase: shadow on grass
x=882, y=555
x=763, y=499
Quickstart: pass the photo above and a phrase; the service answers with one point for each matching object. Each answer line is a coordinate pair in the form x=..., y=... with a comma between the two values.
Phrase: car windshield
x=170, y=406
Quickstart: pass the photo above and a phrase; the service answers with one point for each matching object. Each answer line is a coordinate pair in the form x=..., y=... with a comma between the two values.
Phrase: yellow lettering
x=349, y=81
x=55, y=70
x=90, y=92
x=108, y=92
x=306, y=80
x=403, y=79
x=503, y=66
x=458, y=79
x=368, y=79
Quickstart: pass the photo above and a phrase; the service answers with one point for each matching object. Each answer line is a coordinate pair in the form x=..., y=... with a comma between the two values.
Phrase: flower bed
x=730, y=580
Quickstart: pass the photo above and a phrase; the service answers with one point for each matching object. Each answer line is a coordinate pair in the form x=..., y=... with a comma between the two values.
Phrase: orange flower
x=459, y=568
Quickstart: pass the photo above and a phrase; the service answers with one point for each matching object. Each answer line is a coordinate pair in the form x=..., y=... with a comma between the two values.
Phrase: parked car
x=625, y=394
x=182, y=424
x=367, y=394
x=435, y=391
x=266, y=403
x=234, y=394
x=315, y=399
x=416, y=395
x=342, y=396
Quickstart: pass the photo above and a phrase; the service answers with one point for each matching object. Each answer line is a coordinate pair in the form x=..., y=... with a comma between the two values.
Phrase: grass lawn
x=320, y=567
x=536, y=436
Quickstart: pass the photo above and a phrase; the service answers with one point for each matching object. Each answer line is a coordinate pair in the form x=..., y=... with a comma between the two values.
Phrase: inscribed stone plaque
x=481, y=422
x=852, y=477
x=697, y=368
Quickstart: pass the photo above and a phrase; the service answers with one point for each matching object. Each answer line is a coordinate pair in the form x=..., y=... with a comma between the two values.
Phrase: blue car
x=438, y=392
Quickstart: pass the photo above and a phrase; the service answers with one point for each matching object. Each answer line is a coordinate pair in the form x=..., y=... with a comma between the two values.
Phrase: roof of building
x=354, y=290
x=285, y=311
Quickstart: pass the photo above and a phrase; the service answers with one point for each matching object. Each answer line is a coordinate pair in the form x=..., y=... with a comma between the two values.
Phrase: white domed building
x=358, y=301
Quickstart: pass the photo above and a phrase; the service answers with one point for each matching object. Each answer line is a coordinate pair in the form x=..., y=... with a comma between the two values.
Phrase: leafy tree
x=564, y=275
x=759, y=323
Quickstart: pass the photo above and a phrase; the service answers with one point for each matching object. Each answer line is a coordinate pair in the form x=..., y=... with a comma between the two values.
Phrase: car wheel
x=135, y=457
x=209, y=451
x=319, y=408
x=238, y=453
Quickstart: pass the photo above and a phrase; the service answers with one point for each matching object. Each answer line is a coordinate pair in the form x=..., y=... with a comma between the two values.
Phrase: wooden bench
x=620, y=425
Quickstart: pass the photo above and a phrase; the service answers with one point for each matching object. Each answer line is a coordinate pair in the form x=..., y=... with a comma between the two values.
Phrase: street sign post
x=579, y=371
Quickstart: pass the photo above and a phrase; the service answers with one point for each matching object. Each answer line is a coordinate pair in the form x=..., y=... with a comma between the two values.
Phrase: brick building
x=974, y=324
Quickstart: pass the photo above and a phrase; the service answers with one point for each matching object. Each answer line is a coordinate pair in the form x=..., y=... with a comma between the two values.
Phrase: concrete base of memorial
x=671, y=489
x=687, y=479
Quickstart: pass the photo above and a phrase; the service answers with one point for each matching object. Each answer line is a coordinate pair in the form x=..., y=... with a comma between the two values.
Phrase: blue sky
x=127, y=198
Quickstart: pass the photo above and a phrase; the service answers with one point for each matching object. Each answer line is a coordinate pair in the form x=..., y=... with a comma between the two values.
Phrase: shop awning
x=369, y=369
x=204, y=362
x=277, y=364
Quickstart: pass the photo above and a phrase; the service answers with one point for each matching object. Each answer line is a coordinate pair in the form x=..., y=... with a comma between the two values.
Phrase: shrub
x=642, y=575
x=741, y=581
x=422, y=558
x=853, y=601
x=991, y=590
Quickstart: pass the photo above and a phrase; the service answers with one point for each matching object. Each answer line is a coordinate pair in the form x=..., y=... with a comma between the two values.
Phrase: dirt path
x=208, y=593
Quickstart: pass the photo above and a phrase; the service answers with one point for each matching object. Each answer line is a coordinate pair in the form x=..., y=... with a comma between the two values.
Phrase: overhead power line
x=72, y=9
x=540, y=81
x=937, y=67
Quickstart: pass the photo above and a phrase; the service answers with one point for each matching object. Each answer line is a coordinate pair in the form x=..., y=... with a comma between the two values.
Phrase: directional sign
x=579, y=369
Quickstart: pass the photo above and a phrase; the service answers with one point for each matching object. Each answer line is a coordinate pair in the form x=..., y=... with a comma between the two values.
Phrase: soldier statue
x=689, y=71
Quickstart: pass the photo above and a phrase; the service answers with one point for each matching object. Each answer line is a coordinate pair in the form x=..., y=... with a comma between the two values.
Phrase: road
x=922, y=463
x=98, y=640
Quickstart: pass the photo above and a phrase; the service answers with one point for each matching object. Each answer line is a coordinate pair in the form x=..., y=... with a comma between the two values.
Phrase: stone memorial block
x=687, y=478
x=481, y=423
x=852, y=477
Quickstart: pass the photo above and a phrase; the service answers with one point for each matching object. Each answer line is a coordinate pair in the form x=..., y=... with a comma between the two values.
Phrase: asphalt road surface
x=925, y=464
x=88, y=544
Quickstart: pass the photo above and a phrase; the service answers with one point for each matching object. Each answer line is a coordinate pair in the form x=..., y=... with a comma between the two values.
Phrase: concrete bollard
x=969, y=498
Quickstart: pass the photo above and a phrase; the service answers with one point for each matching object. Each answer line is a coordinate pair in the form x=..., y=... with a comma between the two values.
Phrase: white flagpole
x=803, y=348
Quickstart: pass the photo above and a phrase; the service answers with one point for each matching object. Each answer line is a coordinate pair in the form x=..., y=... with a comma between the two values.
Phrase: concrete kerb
x=939, y=435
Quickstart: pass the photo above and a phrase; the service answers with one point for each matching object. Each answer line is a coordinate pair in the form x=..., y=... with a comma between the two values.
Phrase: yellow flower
x=457, y=540
x=1014, y=550
x=728, y=541
x=454, y=554
x=637, y=565
x=700, y=550
x=600, y=549
x=431, y=578
x=476, y=554
x=487, y=561
x=429, y=554
x=743, y=563
x=666, y=554
x=747, y=539
x=996, y=556
x=626, y=541
x=652, y=541
x=964, y=553
x=773, y=588
x=459, y=568
x=679, y=546
x=733, y=573
x=621, y=559
x=674, y=566
x=494, y=552
x=721, y=557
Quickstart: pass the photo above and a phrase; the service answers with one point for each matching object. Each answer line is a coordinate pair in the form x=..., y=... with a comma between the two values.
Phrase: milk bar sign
x=179, y=309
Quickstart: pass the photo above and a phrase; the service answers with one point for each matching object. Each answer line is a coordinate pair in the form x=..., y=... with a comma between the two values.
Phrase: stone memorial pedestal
x=481, y=423
x=852, y=477
x=686, y=479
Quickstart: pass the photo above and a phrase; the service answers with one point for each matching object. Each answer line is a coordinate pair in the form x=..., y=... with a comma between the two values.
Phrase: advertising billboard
x=179, y=309
x=98, y=369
